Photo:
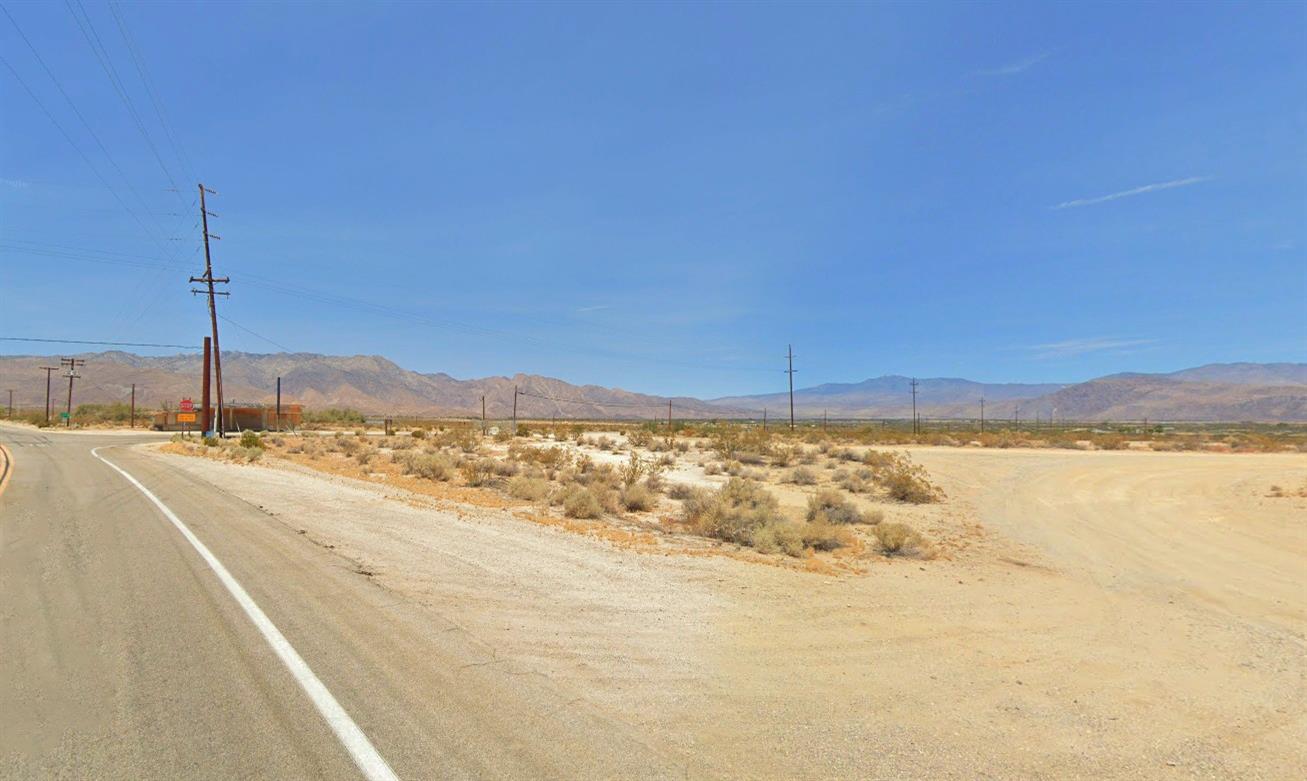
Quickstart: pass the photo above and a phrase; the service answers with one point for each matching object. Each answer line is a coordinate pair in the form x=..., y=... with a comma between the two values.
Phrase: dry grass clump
x=898, y=539
x=743, y=512
x=580, y=502
x=637, y=497
x=712, y=468
x=830, y=506
x=902, y=479
x=532, y=489
x=477, y=471
x=803, y=476
x=432, y=466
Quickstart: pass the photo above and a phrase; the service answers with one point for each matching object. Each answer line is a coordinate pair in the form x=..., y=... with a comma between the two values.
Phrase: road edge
x=8, y=468
x=365, y=755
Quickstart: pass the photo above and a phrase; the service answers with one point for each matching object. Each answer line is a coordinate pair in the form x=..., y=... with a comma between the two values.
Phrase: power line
x=87, y=341
x=86, y=124
x=106, y=63
x=281, y=347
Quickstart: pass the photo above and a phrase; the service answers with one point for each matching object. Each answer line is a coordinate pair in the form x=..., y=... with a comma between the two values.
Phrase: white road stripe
x=356, y=743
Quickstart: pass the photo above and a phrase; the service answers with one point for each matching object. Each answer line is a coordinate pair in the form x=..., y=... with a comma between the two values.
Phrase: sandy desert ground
x=1111, y=615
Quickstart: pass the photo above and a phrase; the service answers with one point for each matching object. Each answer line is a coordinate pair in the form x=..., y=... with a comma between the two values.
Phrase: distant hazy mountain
x=1236, y=391
x=368, y=383
x=1246, y=373
x=891, y=396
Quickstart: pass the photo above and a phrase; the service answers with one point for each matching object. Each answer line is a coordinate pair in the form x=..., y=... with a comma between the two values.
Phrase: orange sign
x=185, y=417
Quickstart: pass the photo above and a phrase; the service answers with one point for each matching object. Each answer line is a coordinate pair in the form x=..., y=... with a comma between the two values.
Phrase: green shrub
x=212, y=442
x=419, y=433
x=251, y=439
x=733, y=512
x=477, y=471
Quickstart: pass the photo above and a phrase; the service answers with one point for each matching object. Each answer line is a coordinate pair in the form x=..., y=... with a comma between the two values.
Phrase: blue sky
x=661, y=197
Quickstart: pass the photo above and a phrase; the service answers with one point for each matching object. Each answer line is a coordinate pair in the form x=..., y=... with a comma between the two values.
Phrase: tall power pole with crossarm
x=210, y=280
x=789, y=356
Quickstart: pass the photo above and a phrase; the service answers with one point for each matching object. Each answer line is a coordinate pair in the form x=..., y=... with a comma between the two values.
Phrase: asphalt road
x=124, y=655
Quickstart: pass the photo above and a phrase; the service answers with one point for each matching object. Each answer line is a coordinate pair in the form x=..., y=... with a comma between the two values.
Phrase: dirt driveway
x=1113, y=615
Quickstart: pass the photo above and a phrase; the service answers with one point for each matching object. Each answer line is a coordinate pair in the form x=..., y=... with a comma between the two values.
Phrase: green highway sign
x=63, y=416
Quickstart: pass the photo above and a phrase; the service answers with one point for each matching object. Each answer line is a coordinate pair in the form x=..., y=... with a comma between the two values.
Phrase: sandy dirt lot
x=1112, y=615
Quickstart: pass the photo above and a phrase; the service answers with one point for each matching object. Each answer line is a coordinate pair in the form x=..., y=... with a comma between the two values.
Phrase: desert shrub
x=579, y=502
x=530, y=488
x=419, y=433
x=854, y=484
x=636, y=468
x=712, y=468
x=734, y=468
x=477, y=471
x=363, y=457
x=548, y=457
x=824, y=536
x=778, y=536
x=333, y=417
x=347, y=445
x=873, y=516
x=902, y=479
x=430, y=466
x=637, y=497
x=679, y=491
x=251, y=439
x=733, y=512
x=751, y=458
x=803, y=476
x=640, y=437
x=830, y=506
x=897, y=539
x=506, y=468
x=247, y=454
x=681, y=446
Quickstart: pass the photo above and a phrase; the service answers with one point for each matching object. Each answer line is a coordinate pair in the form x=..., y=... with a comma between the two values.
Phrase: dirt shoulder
x=1116, y=615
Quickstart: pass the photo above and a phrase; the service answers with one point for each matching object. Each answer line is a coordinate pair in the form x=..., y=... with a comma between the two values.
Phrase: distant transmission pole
x=47, y=370
x=914, y=405
x=789, y=355
x=982, y=414
x=11, y=403
x=71, y=364
x=210, y=280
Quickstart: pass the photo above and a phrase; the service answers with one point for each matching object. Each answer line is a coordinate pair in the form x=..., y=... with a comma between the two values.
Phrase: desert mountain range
x=1229, y=391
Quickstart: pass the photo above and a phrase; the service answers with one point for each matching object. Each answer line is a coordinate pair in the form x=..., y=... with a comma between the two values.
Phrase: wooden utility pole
x=483, y=415
x=982, y=414
x=789, y=354
x=133, y=405
x=514, y=410
x=279, y=404
x=823, y=421
x=11, y=403
x=914, y=405
x=669, y=416
x=72, y=364
x=210, y=280
x=206, y=408
x=47, y=370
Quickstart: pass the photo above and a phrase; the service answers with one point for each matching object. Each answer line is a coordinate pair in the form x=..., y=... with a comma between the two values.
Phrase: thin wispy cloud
x=595, y=308
x=1148, y=188
x=17, y=184
x=1013, y=68
x=1071, y=348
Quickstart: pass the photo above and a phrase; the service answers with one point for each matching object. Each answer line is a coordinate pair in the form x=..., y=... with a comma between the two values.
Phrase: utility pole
x=133, y=405
x=669, y=416
x=11, y=403
x=789, y=354
x=483, y=415
x=47, y=370
x=72, y=364
x=823, y=421
x=982, y=414
x=514, y=410
x=210, y=280
x=764, y=418
x=914, y=405
x=278, y=404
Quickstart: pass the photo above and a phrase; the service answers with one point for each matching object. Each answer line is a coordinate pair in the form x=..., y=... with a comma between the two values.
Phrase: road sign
x=63, y=416
x=185, y=417
x=187, y=405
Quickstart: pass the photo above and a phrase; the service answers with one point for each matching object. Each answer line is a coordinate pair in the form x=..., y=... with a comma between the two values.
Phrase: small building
x=237, y=416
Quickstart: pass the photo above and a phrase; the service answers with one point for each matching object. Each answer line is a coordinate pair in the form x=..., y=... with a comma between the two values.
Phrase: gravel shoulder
x=1114, y=615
